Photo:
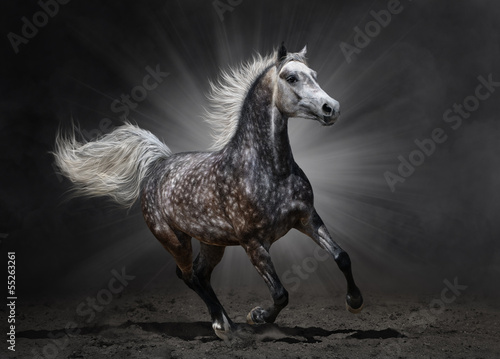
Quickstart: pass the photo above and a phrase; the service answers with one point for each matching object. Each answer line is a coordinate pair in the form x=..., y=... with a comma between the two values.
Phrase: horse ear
x=303, y=52
x=281, y=52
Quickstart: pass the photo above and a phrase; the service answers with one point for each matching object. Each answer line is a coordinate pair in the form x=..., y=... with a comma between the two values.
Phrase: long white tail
x=113, y=165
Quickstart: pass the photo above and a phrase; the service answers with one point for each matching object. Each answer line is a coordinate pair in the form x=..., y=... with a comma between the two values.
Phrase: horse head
x=297, y=92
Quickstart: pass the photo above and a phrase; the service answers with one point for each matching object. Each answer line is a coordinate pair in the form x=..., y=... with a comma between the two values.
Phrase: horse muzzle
x=328, y=120
x=330, y=112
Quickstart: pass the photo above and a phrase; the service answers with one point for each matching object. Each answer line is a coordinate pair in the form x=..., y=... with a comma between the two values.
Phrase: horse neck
x=262, y=134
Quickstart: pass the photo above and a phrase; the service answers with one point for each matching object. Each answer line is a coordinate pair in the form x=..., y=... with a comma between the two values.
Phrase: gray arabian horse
x=247, y=191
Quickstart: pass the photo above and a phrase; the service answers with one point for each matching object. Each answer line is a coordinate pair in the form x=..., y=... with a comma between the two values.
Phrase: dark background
x=441, y=223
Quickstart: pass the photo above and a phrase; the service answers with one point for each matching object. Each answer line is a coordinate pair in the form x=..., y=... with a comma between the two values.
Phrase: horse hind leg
x=197, y=275
x=179, y=246
x=204, y=264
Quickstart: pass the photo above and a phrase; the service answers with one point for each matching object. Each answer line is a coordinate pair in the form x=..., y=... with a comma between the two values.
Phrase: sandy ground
x=154, y=324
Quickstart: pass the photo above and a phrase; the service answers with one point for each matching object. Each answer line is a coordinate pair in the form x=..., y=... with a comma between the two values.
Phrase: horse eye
x=292, y=79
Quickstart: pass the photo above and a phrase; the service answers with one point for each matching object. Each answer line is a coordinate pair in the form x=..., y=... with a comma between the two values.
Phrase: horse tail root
x=113, y=165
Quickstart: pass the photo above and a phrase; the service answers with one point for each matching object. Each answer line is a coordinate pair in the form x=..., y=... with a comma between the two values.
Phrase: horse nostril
x=327, y=109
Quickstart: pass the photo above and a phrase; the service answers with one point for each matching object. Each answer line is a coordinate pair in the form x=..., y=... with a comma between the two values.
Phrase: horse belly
x=212, y=229
x=196, y=210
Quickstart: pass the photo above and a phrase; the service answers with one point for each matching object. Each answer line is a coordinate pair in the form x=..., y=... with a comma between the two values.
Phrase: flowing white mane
x=227, y=95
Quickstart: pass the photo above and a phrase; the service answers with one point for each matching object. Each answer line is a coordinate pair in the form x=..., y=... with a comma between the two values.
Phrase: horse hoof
x=354, y=304
x=353, y=310
x=256, y=316
x=222, y=330
x=222, y=334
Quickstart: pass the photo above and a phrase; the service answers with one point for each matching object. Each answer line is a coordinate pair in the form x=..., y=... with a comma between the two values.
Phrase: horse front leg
x=260, y=258
x=316, y=229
